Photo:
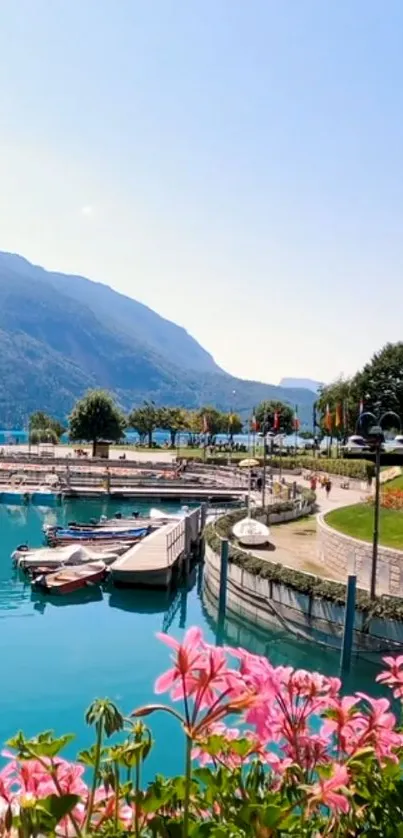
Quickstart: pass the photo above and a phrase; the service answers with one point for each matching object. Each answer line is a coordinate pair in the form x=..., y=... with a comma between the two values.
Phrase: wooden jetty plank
x=150, y=562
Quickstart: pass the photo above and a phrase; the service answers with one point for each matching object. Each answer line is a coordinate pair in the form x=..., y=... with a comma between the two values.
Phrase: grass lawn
x=397, y=483
x=358, y=521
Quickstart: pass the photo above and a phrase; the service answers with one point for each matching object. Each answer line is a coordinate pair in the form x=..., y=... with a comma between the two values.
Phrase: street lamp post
x=375, y=437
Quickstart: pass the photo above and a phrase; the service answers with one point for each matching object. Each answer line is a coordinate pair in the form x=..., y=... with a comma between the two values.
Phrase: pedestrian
x=328, y=486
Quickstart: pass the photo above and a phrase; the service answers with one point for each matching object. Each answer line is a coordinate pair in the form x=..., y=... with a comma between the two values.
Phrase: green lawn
x=358, y=521
x=397, y=483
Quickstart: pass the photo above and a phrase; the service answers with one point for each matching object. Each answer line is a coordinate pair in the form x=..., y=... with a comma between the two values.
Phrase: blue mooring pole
x=222, y=598
x=349, y=616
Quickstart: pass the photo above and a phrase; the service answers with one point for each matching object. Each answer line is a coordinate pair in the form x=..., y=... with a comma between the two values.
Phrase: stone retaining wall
x=343, y=554
x=265, y=604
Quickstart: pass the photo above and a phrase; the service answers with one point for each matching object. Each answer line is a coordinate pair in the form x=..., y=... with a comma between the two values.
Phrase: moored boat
x=66, y=580
x=72, y=554
x=62, y=535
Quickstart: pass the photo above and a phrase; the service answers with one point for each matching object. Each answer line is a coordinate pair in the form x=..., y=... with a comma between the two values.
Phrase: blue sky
x=235, y=165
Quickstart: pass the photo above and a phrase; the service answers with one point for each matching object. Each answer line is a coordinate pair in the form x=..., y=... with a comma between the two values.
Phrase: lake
x=57, y=655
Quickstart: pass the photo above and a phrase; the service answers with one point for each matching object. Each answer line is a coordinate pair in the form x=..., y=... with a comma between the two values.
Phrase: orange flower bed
x=392, y=499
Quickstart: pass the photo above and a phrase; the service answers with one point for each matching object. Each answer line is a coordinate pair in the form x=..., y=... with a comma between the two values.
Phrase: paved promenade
x=294, y=544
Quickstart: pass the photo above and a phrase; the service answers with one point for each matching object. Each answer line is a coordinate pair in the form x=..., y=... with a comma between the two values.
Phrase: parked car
x=355, y=444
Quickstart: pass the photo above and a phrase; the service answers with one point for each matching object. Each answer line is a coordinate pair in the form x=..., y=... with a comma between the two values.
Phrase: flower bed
x=392, y=499
x=303, y=761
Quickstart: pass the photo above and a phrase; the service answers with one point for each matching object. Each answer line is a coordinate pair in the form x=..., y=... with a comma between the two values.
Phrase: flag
x=361, y=406
x=276, y=421
x=328, y=419
x=296, y=419
x=205, y=424
x=338, y=419
x=254, y=425
x=345, y=416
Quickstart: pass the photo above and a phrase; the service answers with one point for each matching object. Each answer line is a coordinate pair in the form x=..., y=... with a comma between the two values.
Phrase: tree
x=380, y=383
x=174, y=420
x=42, y=422
x=96, y=417
x=38, y=435
x=337, y=407
x=212, y=420
x=265, y=416
x=145, y=420
x=231, y=424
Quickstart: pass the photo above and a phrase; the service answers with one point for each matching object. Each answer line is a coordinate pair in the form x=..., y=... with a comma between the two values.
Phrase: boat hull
x=51, y=585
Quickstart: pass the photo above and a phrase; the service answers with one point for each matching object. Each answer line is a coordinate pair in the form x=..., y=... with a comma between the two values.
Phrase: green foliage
x=47, y=428
x=174, y=420
x=145, y=420
x=265, y=416
x=95, y=417
x=42, y=435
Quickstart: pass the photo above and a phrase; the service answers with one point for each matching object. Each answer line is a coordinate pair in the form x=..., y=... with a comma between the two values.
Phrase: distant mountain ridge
x=61, y=334
x=306, y=383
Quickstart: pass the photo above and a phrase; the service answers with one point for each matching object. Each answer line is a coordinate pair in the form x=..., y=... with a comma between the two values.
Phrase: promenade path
x=294, y=544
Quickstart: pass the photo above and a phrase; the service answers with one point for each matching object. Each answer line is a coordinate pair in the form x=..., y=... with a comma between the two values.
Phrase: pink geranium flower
x=330, y=792
x=188, y=655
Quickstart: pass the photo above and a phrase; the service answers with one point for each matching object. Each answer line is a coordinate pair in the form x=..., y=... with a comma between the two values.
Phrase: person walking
x=328, y=486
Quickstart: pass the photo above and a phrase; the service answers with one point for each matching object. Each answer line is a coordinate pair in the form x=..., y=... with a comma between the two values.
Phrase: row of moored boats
x=80, y=554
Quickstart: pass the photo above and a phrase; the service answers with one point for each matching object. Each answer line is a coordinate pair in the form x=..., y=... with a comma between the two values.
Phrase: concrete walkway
x=294, y=544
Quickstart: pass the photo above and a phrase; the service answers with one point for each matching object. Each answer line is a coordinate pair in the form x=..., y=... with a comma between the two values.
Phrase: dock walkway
x=151, y=561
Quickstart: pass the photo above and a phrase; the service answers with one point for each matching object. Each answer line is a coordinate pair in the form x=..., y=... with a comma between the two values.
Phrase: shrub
x=356, y=469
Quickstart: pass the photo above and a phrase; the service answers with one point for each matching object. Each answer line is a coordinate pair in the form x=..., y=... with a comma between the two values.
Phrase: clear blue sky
x=238, y=166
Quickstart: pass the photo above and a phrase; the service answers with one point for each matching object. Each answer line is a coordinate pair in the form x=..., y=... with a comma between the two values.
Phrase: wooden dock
x=152, y=561
x=160, y=493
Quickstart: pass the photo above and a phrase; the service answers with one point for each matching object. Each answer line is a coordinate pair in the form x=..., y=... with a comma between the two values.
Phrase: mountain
x=305, y=383
x=60, y=335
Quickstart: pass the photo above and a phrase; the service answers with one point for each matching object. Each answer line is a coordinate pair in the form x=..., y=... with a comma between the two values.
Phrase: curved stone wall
x=345, y=555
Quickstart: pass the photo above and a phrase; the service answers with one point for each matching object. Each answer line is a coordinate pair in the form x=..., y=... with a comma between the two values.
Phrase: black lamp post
x=371, y=427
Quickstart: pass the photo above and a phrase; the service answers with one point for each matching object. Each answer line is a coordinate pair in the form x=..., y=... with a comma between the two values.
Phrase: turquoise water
x=160, y=437
x=57, y=655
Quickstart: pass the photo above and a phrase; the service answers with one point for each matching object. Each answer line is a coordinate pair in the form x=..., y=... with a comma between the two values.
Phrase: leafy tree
x=145, y=420
x=38, y=435
x=96, y=417
x=265, y=416
x=340, y=395
x=380, y=383
x=174, y=420
x=40, y=421
x=231, y=424
x=214, y=420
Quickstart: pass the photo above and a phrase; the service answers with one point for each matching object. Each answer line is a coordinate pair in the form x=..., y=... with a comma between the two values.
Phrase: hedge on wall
x=386, y=607
x=356, y=469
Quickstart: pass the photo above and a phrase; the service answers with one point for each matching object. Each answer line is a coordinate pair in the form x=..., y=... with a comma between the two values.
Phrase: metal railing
x=175, y=541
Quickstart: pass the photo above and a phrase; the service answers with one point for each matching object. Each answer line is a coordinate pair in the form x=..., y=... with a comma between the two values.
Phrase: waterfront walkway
x=294, y=544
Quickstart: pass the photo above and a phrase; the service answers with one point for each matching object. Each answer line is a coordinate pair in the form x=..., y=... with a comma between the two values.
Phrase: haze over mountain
x=61, y=334
x=307, y=383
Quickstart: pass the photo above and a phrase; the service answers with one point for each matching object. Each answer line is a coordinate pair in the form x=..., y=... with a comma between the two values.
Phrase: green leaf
x=57, y=806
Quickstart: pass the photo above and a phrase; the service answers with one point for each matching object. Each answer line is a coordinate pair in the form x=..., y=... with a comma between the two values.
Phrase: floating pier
x=157, y=557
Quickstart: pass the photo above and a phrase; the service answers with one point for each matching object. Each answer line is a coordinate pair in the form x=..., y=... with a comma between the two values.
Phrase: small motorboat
x=69, y=579
x=61, y=535
x=250, y=532
x=71, y=554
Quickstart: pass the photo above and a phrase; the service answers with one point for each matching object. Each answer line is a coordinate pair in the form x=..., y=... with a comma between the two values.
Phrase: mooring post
x=349, y=616
x=222, y=598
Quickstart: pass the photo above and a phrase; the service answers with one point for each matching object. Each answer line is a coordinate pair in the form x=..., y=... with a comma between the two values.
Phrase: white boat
x=71, y=554
x=250, y=532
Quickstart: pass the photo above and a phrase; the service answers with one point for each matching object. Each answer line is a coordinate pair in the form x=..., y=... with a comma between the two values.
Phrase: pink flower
x=394, y=677
x=189, y=655
x=328, y=792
